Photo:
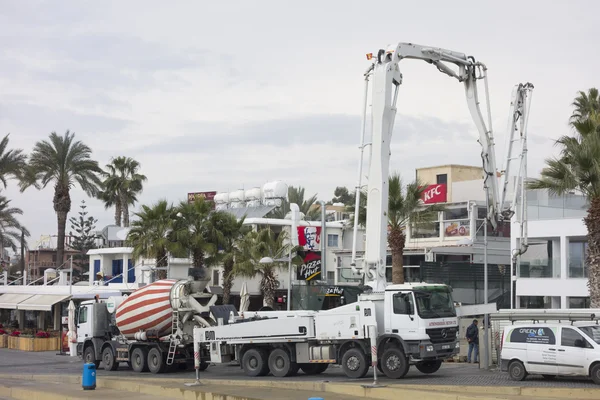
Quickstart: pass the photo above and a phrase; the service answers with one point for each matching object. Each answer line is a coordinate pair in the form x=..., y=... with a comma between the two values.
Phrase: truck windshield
x=593, y=332
x=434, y=302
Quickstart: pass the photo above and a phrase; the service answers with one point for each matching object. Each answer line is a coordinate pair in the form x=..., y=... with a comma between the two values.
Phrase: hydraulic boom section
x=386, y=78
x=516, y=153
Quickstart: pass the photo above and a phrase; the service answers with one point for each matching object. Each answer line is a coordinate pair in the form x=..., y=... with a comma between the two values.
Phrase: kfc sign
x=434, y=194
x=309, y=237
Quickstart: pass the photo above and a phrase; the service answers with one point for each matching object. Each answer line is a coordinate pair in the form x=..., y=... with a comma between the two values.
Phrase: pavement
x=47, y=376
x=457, y=374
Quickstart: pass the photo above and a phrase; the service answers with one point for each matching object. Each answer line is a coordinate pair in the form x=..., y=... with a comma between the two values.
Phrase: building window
x=579, y=302
x=539, y=261
x=456, y=213
x=407, y=259
x=332, y=240
x=577, y=265
x=330, y=277
x=441, y=179
x=539, y=302
x=216, y=277
x=450, y=258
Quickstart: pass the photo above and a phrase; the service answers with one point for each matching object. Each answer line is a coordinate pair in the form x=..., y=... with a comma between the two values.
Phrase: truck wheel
x=394, y=363
x=429, y=367
x=354, y=363
x=89, y=356
x=313, y=369
x=254, y=362
x=516, y=371
x=138, y=360
x=156, y=361
x=281, y=364
x=108, y=358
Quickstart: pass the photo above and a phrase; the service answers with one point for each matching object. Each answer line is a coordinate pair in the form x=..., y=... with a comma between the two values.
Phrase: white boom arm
x=516, y=132
x=386, y=79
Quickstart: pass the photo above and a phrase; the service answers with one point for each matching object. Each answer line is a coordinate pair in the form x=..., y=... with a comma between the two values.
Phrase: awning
x=41, y=302
x=11, y=300
x=91, y=296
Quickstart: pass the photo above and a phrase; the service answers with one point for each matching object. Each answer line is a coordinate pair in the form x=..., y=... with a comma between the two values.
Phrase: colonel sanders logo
x=309, y=237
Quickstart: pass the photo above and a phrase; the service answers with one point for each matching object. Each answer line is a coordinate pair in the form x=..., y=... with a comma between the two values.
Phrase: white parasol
x=72, y=334
x=244, y=298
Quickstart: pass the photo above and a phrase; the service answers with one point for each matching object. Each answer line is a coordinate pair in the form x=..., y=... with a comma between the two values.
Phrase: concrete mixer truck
x=150, y=330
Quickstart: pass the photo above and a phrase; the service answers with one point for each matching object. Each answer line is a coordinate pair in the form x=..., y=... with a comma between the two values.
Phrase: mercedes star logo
x=444, y=334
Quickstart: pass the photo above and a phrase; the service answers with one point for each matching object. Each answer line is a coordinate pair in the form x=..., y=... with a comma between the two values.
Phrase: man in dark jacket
x=473, y=339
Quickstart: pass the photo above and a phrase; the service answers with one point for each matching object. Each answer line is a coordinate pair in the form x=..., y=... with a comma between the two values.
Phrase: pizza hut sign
x=311, y=268
x=435, y=194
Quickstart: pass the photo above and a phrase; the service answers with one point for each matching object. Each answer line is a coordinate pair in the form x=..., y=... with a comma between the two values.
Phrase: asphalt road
x=19, y=362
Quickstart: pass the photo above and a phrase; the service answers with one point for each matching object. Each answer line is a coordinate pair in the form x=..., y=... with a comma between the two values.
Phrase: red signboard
x=435, y=194
x=309, y=237
x=209, y=196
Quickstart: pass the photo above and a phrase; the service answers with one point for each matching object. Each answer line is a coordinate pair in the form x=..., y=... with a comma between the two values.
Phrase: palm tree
x=121, y=186
x=149, y=234
x=296, y=195
x=404, y=208
x=194, y=232
x=10, y=228
x=12, y=162
x=65, y=162
x=577, y=169
x=231, y=231
x=251, y=248
x=585, y=104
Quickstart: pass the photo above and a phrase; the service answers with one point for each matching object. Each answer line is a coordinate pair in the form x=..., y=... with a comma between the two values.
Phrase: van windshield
x=593, y=332
x=434, y=302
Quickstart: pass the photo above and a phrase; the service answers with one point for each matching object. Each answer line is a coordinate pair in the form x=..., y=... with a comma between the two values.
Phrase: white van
x=551, y=349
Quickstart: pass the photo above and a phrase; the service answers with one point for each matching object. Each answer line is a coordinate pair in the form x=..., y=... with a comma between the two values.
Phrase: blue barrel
x=88, y=381
x=316, y=398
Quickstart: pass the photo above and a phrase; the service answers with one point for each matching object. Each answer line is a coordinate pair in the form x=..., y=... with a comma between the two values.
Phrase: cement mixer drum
x=148, y=308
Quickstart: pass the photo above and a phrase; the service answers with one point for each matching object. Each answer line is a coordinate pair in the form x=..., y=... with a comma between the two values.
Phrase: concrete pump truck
x=393, y=326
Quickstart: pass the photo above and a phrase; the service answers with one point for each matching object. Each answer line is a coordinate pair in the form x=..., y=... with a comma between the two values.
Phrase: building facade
x=553, y=272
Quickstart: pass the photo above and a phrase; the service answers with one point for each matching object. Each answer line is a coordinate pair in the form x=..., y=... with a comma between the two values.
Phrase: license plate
x=446, y=346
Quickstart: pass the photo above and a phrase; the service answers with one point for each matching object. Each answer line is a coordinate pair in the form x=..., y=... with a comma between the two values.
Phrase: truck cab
x=92, y=321
x=421, y=319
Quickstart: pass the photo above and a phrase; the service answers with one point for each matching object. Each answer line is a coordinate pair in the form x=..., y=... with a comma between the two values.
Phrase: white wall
x=560, y=231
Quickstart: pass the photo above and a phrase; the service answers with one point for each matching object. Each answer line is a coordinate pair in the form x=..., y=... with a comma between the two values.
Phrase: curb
x=164, y=388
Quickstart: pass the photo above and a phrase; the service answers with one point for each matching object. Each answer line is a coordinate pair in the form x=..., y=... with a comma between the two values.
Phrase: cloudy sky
x=228, y=95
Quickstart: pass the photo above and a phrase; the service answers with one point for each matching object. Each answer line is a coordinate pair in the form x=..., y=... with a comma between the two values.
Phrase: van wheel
x=516, y=371
x=595, y=374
